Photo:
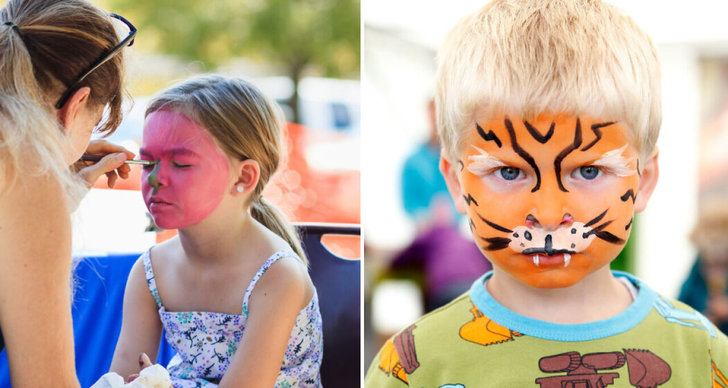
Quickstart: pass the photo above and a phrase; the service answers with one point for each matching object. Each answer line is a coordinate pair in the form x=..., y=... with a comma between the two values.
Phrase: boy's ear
x=248, y=174
x=453, y=183
x=648, y=181
x=68, y=112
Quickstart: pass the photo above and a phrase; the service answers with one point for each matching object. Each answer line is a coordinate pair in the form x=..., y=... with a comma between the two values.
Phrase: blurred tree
x=298, y=35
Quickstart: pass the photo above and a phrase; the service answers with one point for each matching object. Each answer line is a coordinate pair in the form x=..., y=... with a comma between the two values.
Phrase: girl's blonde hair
x=538, y=56
x=246, y=125
x=45, y=45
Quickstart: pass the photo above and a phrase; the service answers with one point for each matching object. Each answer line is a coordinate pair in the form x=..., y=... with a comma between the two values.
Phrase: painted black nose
x=549, y=245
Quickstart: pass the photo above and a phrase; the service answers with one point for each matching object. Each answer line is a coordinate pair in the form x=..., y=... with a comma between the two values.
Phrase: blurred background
x=687, y=217
x=303, y=54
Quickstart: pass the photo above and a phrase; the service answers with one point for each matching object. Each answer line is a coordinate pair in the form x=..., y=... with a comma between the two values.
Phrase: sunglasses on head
x=128, y=41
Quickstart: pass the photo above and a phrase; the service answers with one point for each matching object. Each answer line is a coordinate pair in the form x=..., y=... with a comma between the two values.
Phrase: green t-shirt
x=476, y=342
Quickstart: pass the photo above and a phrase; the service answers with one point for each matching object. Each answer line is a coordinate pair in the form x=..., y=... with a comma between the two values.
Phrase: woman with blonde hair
x=60, y=69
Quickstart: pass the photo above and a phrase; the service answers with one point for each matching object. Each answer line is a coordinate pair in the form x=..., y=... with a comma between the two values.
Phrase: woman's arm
x=141, y=329
x=35, y=291
x=273, y=307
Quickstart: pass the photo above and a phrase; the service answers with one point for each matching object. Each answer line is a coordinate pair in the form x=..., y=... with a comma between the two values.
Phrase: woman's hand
x=112, y=164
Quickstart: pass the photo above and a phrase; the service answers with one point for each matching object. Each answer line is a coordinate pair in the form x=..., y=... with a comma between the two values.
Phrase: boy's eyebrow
x=483, y=163
x=614, y=162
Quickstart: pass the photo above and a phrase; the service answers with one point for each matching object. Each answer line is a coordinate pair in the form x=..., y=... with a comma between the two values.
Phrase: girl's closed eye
x=181, y=165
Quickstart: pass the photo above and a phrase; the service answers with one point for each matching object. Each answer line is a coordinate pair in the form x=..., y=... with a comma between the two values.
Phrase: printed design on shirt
x=683, y=317
x=719, y=379
x=645, y=369
x=483, y=331
x=389, y=362
x=399, y=357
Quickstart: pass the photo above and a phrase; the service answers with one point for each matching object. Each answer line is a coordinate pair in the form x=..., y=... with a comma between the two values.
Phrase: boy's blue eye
x=509, y=173
x=589, y=172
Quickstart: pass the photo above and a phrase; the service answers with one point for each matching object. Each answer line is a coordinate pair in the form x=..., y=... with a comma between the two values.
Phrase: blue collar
x=620, y=323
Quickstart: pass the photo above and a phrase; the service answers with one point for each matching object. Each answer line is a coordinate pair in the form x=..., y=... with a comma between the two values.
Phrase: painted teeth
x=567, y=259
x=535, y=260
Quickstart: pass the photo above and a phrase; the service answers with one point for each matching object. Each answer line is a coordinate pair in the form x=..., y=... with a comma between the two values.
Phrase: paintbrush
x=96, y=158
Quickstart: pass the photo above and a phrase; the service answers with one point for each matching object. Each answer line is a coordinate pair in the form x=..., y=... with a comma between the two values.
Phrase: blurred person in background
x=442, y=259
x=705, y=288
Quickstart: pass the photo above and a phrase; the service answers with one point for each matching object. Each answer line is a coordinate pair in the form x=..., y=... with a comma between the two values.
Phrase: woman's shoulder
x=34, y=213
x=26, y=191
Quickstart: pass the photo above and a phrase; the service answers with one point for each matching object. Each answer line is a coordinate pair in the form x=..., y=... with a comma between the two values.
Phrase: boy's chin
x=554, y=276
x=552, y=280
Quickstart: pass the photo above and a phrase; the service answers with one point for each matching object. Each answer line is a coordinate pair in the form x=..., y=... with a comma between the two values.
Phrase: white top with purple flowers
x=206, y=342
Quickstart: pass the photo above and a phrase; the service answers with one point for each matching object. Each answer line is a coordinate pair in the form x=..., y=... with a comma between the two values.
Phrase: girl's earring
x=239, y=189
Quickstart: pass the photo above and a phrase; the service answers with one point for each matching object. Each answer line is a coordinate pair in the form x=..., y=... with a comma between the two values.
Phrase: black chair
x=337, y=282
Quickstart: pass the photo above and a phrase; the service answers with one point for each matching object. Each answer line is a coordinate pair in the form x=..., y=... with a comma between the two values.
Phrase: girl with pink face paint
x=232, y=289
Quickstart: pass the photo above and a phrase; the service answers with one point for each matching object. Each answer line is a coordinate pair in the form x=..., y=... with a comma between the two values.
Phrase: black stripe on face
x=496, y=243
x=470, y=199
x=629, y=194
x=610, y=238
x=462, y=165
x=490, y=136
x=626, y=227
x=495, y=226
x=596, y=128
x=560, y=157
x=603, y=234
x=597, y=229
x=596, y=219
x=523, y=154
x=537, y=135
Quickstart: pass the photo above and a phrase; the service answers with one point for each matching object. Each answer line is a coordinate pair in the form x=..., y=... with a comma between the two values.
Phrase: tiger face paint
x=550, y=199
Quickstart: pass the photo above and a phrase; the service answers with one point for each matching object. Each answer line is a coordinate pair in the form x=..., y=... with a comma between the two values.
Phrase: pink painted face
x=191, y=174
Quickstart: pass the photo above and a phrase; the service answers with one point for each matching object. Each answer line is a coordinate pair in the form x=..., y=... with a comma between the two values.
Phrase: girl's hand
x=112, y=165
x=144, y=362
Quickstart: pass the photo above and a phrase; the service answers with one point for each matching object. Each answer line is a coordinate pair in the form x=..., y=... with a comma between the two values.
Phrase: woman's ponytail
x=35, y=39
x=31, y=138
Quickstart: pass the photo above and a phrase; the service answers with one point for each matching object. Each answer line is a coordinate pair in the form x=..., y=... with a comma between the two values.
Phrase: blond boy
x=549, y=112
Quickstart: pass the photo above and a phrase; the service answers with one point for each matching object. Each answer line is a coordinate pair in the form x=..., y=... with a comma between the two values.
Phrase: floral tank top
x=205, y=342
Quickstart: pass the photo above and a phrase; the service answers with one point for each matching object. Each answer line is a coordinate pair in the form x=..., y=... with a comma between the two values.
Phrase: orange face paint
x=550, y=199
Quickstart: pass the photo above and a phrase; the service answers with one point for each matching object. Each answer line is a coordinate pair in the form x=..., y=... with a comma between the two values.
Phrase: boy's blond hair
x=560, y=56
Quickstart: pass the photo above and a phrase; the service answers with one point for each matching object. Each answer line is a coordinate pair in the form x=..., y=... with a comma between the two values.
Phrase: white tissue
x=154, y=376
